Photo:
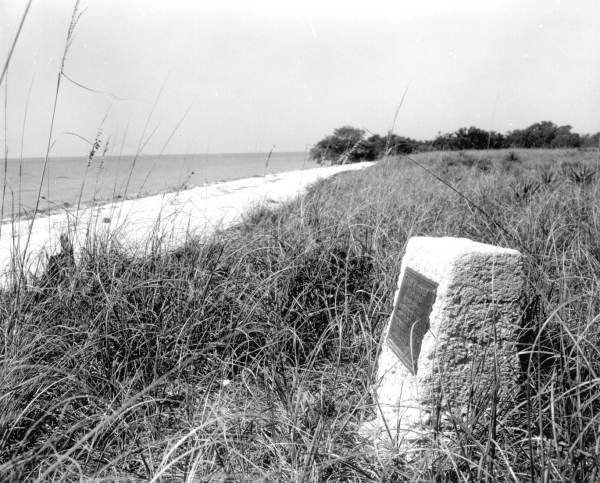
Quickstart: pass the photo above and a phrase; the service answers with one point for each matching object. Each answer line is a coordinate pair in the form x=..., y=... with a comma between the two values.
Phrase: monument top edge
x=457, y=245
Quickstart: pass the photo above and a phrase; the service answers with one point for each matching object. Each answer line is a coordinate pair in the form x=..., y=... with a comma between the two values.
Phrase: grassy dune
x=251, y=356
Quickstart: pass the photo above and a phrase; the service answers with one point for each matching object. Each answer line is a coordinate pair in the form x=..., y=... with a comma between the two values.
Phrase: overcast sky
x=286, y=73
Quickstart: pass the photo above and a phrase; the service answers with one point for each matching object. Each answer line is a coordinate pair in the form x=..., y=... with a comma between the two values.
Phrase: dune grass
x=251, y=355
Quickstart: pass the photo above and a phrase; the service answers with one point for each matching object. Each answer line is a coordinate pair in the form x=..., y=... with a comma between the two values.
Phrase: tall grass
x=251, y=355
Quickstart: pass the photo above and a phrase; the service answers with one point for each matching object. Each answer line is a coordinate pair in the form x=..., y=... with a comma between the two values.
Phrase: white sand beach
x=172, y=216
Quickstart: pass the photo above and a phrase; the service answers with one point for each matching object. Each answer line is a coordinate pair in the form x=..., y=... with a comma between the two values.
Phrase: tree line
x=350, y=144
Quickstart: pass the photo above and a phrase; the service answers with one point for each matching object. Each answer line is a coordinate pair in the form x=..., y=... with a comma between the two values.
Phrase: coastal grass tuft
x=250, y=355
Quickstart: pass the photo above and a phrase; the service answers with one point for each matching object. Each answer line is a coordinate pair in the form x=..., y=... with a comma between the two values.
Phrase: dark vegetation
x=349, y=144
x=251, y=356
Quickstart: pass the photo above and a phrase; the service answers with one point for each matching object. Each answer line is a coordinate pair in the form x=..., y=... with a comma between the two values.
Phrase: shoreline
x=76, y=183
x=101, y=202
x=171, y=216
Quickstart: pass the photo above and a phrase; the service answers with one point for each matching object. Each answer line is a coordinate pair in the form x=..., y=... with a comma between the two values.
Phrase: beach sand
x=172, y=216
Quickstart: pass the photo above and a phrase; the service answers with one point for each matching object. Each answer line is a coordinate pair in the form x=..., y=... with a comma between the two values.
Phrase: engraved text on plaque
x=410, y=319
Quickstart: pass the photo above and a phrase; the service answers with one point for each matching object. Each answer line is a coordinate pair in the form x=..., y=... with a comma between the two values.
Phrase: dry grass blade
x=14, y=42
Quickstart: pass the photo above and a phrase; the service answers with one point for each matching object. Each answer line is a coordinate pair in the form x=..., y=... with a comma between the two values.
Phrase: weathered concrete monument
x=451, y=339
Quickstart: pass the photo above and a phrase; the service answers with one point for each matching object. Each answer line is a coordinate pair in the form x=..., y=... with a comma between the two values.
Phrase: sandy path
x=173, y=216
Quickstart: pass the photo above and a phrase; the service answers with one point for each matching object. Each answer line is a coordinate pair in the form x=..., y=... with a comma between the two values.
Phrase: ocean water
x=72, y=181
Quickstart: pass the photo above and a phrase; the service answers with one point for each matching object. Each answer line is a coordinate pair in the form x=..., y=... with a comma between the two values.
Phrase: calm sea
x=72, y=180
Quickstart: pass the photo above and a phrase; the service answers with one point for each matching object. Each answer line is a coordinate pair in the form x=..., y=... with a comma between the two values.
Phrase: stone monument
x=453, y=334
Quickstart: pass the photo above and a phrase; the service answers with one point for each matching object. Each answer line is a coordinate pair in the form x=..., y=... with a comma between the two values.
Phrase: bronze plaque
x=410, y=318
